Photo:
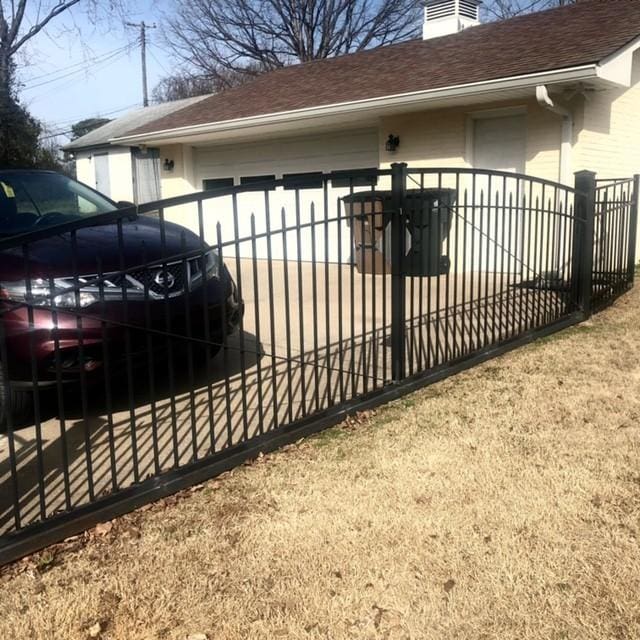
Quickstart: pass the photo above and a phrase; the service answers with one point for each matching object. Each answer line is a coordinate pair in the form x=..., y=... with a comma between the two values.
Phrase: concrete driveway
x=324, y=339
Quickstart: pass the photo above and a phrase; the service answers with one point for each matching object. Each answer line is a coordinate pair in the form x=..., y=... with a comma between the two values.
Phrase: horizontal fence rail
x=151, y=347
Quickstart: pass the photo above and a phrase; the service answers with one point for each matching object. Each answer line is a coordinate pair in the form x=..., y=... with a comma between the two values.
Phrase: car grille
x=158, y=281
x=172, y=279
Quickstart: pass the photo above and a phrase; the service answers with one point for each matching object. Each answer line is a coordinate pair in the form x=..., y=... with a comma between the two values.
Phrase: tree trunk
x=5, y=75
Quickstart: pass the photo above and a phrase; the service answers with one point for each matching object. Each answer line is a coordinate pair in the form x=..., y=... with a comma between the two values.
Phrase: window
x=354, y=178
x=31, y=198
x=311, y=180
x=249, y=180
x=216, y=183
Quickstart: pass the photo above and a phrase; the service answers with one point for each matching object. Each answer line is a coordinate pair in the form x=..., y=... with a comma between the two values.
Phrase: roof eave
x=71, y=148
x=471, y=90
x=618, y=67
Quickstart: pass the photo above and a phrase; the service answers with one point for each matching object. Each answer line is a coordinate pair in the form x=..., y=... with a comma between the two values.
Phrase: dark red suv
x=71, y=294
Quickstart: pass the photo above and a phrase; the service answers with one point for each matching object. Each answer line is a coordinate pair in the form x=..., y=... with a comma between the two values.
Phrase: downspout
x=544, y=100
x=542, y=95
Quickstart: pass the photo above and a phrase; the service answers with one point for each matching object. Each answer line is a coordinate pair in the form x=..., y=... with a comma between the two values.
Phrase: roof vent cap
x=444, y=17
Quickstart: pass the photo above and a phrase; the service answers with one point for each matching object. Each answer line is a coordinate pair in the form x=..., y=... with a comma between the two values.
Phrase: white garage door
x=242, y=163
x=344, y=150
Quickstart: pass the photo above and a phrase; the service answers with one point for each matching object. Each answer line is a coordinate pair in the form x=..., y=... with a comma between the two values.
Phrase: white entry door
x=500, y=144
x=103, y=182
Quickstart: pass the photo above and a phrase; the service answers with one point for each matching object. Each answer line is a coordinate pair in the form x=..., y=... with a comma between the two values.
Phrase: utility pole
x=143, y=50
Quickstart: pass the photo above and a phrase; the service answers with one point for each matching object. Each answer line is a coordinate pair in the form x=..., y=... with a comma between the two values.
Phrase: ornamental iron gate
x=176, y=339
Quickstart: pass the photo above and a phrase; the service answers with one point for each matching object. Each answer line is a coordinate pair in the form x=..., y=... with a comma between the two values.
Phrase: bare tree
x=22, y=20
x=187, y=85
x=246, y=37
x=16, y=31
x=502, y=9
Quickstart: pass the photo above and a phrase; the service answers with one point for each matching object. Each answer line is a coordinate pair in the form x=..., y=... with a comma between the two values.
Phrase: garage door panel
x=347, y=150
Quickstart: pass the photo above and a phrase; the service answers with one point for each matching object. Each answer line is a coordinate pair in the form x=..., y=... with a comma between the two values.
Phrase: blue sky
x=78, y=70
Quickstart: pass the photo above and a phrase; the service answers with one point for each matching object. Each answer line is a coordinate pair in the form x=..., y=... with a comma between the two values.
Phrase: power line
x=99, y=114
x=117, y=54
x=82, y=63
x=55, y=135
x=98, y=67
x=153, y=55
x=64, y=130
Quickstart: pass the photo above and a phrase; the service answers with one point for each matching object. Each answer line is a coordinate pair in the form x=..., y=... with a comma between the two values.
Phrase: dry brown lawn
x=501, y=503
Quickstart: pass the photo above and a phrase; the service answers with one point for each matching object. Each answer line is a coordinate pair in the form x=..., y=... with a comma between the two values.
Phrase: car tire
x=21, y=403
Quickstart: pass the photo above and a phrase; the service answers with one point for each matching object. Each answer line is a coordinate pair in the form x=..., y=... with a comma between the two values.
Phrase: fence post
x=583, y=240
x=633, y=229
x=398, y=251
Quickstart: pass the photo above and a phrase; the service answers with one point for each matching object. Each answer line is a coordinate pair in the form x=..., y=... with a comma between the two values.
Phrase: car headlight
x=70, y=300
x=39, y=294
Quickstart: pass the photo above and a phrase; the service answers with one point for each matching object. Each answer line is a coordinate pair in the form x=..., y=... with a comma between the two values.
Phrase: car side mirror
x=124, y=204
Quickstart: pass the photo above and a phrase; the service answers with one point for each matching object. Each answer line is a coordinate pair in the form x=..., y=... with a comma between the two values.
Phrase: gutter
x=566, y=146
x=544, y=100
x=572, y=74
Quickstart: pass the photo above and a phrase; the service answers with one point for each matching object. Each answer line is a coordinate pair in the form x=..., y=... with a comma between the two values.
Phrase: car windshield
x=31, y=200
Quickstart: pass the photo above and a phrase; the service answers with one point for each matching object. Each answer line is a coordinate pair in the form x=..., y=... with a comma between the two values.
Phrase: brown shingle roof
x=568, y=36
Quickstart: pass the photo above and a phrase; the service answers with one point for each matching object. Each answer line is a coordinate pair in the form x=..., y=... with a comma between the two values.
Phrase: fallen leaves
x=96, y=627
x=379, y=622
x=359, y=418
x=449, y=584
x=103, y=528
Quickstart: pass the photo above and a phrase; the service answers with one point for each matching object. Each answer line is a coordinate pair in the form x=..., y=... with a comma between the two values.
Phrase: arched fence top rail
x=324, y=179
x=490, y=172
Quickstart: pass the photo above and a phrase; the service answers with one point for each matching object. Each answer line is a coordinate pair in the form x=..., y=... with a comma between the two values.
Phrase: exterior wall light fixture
x=393, y=142
x=168, y=164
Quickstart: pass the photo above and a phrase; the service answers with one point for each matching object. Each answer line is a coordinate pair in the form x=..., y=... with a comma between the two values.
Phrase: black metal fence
x=615, y=222
x=174, y=340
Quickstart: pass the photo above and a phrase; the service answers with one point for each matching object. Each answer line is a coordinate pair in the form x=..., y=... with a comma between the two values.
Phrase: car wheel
x=20, y=403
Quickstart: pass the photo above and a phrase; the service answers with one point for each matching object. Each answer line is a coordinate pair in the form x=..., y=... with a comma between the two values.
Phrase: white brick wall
x=439, y=138
x=609, y=140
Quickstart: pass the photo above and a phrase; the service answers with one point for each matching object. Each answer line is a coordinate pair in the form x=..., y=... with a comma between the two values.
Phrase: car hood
x=99, y=249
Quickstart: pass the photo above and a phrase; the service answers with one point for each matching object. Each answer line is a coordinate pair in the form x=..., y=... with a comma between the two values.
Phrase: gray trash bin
x=428, y=218
x=428, y=213
x=368, y=213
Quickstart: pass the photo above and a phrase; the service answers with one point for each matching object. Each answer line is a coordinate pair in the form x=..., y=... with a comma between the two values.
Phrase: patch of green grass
x=45, y=561
x=582, y=329
x=585, y=328
x=410, y=401
x=544, y=341
x=329, y=436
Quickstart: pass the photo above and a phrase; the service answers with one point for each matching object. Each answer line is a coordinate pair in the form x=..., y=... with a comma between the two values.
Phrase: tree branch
x=40, y=24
